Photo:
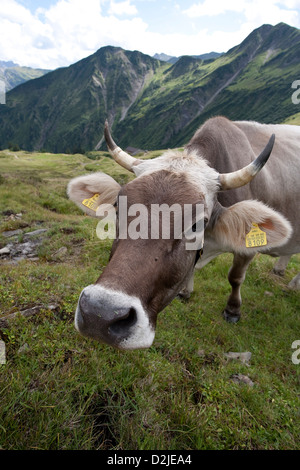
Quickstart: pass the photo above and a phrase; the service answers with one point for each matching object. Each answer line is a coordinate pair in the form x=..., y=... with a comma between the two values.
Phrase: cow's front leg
x=185, y=293
x=236, y=277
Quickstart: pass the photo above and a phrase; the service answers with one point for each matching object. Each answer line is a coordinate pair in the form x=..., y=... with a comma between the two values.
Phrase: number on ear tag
x=256, y=237
x=91, y=203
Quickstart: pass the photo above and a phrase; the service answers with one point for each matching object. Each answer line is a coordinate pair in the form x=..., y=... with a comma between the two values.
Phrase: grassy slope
x=251, y=81
x=294, y=119
x=66, y=392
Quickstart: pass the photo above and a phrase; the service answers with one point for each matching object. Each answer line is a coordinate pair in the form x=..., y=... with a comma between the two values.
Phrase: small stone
x=244, y=357
x=242, y=379
x=269, y=294
x=5, y=251
x=201, y=352
x=52, y=307
x=61, y=252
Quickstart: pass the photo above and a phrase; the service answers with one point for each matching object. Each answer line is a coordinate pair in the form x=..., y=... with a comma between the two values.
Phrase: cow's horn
x=239, y=178
x=121, y=157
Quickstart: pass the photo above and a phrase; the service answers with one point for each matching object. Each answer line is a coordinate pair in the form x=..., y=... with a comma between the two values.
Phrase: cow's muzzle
x=113, y=317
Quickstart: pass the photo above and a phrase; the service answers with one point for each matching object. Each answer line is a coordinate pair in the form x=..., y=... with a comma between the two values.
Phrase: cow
x=239, y=193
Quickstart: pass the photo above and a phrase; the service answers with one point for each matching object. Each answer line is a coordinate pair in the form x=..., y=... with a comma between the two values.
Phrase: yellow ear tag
x=92, y=202
x=256, y=237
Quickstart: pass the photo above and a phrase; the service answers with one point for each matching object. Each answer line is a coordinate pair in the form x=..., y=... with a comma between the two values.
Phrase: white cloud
x=258, y=11
x=122, y=8
x=69, y=30
x=213, y=8
x=291, y=3
x=200, y=42
x=18, y=31
x=63, y=34
x=253, y=13
x=12, y=11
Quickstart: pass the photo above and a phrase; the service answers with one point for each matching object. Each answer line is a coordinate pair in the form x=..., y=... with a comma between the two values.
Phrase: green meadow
x=59, y=390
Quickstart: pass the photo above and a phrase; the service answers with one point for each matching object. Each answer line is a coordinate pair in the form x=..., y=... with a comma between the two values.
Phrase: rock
x=27, y=249
x=242, y=379
x=11, y=233
x=244, y=357
x=15, y=217
x=19, y=251
x=52, y=307
x=5, y=251
x=35, y=232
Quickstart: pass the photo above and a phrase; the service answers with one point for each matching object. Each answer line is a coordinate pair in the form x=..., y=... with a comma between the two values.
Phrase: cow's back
x=278, y=183
x=229, y=146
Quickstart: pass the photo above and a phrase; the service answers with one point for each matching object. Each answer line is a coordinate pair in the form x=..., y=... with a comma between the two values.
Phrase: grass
x=294, y=120
x=59, y=390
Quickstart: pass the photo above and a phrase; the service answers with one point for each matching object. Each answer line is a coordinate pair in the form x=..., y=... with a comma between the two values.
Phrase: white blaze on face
x=141, y=333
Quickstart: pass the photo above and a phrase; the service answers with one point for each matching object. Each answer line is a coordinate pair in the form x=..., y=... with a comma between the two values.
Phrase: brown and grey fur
x=153, y=272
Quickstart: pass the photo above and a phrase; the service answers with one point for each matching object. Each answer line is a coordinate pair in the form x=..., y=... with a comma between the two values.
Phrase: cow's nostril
x=114, y=318
x=122, y=325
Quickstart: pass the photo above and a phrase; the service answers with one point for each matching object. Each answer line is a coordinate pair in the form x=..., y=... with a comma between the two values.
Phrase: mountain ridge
x=172, y=59
x=13, y=74
x=149, y=103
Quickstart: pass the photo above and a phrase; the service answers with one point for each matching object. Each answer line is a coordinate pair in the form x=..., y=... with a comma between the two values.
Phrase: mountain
x=13, y=74
x=172, y=60
x=149, y=103
x=65, y=109
x=164, y=57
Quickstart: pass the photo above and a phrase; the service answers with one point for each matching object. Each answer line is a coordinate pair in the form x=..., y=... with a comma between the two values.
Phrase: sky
x=56, y=33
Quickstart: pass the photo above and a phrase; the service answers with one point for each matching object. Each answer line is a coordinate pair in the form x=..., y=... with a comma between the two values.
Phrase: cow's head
x=146, y=269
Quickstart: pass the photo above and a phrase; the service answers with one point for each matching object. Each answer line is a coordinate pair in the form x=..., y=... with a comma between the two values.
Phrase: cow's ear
x=89, y=191
x=251, y=226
